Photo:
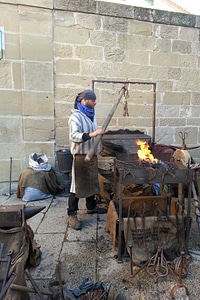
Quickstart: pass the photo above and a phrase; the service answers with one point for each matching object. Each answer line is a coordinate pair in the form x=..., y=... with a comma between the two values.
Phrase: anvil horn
x=31, y=211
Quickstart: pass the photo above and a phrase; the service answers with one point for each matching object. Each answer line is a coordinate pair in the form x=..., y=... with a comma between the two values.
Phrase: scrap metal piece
x=7, y=285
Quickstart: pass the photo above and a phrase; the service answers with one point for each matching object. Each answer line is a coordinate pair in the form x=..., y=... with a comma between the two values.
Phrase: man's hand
x=99, y=131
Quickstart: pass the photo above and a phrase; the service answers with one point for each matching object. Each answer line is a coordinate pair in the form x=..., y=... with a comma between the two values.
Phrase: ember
x=144, y=153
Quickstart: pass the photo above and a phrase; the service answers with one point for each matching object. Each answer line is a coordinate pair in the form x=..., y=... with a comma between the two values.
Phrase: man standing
x=82, y=132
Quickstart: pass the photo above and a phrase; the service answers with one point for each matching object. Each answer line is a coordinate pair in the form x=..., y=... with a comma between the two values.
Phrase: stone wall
x=55, y=50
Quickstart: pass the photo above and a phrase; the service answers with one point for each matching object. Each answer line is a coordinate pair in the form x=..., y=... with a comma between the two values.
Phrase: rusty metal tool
x=105, y=125
x=9, y=254
x=7, y=285
x=59, y=279
x=131, y=258
x=142, y=212
x=158, y=265
x=183, y=136
x=35, y=286
x=180, y=272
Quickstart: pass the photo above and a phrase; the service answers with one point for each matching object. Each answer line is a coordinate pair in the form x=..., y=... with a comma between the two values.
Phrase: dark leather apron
x=86, y=176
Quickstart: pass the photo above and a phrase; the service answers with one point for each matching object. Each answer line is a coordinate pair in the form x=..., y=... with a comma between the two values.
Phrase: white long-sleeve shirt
x=79, y=124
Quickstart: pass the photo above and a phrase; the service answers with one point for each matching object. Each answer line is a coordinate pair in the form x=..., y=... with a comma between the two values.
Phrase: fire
x=144, y=153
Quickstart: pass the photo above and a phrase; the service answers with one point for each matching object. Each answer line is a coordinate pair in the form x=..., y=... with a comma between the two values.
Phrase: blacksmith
x=82, y=132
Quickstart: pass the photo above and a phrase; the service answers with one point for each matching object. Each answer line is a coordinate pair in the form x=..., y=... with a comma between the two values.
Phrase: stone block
x=17, y=71
x=182, y=47
x=5, y=170
x=172, y=122
x=104, y=39
x=163, y=45
x=137, y=57
x=135, y=41
x=140, y=28
x=5, y=75
x=10, y=18
x=14, y=150
x=10, y=103
x=38, y=76
x=114, y=54
x=164, y=59
x=169, y=32
x=62, y=111
x=36, y=22
x=38, y=104
x=111, y=24
x=71, y=35
x=62, y=137
x=165, y=85
x=189, y=34
x=38, y=129
x=68, y=66
x=88, y=52
x=63, y=50
x=12, y=47
x=36, y=47
x=92, y=22
x=189, y=61
x=174, y=99
x=174, y=73
x=64, y=18
x=10, y=129
x=164, y=135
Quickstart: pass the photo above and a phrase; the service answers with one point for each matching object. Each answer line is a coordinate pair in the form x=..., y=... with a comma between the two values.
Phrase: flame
x=144, y=153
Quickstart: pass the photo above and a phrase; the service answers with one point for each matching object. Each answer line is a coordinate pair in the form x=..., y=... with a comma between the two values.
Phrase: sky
x=192, y=5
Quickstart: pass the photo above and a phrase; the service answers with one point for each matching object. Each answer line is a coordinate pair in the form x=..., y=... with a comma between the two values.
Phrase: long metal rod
x=104, y=126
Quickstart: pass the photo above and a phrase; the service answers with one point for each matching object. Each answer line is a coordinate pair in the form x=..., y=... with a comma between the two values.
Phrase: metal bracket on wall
x=137, y=82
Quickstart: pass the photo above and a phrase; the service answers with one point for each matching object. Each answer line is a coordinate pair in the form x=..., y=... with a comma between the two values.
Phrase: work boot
x=97, y=210
x=73, y=222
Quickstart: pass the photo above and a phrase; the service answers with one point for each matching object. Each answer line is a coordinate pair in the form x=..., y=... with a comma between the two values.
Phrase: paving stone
x=51, y=245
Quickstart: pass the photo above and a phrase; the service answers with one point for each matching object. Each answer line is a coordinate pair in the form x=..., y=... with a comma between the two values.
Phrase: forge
x=150, y=229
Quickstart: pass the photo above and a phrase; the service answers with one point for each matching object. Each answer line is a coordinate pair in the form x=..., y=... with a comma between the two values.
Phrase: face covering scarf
x=89, y=112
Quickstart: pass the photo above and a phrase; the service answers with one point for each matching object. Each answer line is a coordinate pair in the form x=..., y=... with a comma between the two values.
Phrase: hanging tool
x=183, y=136
x=126, y=95
x=105, y=125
